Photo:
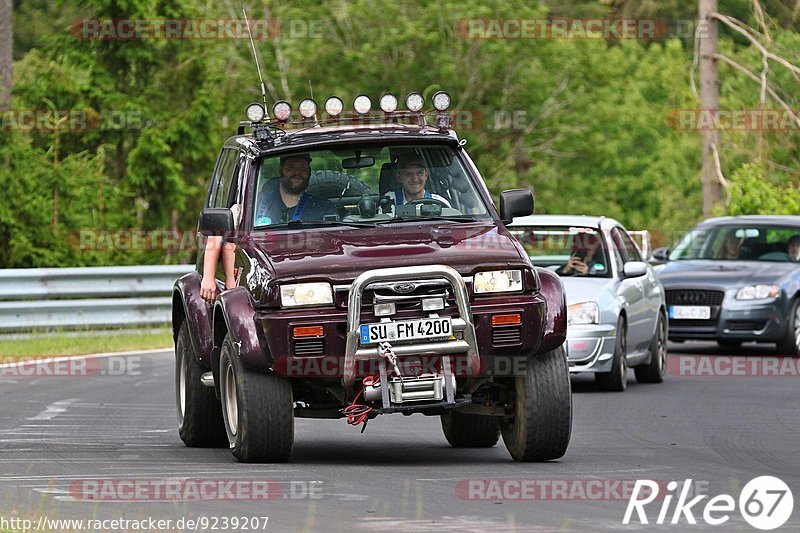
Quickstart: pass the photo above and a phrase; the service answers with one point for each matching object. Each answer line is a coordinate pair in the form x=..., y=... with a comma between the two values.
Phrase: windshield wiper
x=448, y=218
x=310, y=223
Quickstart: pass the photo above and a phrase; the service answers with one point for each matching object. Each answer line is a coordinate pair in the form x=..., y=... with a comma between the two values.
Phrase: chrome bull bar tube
x=468, y=344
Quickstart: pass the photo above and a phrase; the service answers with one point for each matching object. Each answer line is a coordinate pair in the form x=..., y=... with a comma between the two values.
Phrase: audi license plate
x=407, y=330
x=696, y=312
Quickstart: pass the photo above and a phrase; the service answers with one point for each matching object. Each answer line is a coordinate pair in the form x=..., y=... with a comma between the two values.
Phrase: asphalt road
x=60, y=435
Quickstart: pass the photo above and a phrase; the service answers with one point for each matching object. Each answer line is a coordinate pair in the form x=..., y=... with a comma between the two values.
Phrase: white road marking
x=54, y=409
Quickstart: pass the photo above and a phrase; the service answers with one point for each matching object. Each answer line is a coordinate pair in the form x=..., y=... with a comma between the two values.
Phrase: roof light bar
x=415, y=101
x=307, y=108
x=282, y=111
x=255, y=112
x=388, y=103
x=334, y=106
x=362, y=104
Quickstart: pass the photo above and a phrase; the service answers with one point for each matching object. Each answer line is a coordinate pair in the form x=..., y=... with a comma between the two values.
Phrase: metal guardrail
x=90, y=297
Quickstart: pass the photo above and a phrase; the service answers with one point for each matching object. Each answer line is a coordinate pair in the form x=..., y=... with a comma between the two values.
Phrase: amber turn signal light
x=507, y=320
x=308, y=331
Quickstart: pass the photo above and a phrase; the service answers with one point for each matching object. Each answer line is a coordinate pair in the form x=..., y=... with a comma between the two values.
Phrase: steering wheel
x=431, y=201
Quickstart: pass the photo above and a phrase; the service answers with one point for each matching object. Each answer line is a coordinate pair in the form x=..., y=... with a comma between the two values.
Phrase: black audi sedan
x=735, y=280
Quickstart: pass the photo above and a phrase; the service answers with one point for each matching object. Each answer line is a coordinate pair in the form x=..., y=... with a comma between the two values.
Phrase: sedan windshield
x=370, y=184
x=569, y=251
x=740, y=243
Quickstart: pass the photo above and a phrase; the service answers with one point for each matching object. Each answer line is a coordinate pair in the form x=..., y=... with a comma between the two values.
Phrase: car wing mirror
x=515, y=203
x=634, y=269
x=216, y=221
x=661, y=254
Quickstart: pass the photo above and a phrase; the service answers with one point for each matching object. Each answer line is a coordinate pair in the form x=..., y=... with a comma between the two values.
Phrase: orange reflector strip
x=308, y=331
x=506, y=320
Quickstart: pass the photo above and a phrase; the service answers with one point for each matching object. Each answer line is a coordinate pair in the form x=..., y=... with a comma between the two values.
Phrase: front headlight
x=302, y=294
x=583, y=313
x=497, y=281
x=758, y=292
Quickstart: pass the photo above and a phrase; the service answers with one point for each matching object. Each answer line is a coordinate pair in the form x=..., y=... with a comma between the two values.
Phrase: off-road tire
x=656, y=369
x=199, y=412
x=541, y=425
x=258, y=410
x=617, y=379
x=790, y=344
x=331, y=183
x=470, y=431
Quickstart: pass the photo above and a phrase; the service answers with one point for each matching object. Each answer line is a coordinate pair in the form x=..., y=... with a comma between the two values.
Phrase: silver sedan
x=616, y=311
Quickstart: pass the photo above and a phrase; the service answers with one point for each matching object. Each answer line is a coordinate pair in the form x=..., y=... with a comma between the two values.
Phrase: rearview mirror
x=515, y=203
x=216, y=221
x=358, y=162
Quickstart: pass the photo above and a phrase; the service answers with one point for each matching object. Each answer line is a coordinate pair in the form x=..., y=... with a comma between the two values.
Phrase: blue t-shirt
x=271, y=209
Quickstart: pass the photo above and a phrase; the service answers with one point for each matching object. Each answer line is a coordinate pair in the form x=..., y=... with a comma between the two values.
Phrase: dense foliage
x=587, y=123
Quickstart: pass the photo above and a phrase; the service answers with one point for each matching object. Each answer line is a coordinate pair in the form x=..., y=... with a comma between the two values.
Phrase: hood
x=585, y=289
x=723, y=273
x=341, y=254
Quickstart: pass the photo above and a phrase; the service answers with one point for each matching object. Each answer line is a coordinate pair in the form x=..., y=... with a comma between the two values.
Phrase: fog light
x=385, y=309
x=432, y=304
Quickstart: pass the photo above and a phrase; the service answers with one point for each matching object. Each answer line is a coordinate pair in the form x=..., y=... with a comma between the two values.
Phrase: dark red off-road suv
x=372, y=293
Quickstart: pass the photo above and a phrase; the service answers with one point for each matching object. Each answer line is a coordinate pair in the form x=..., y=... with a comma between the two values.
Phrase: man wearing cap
x=412, y=173
x=285, y=199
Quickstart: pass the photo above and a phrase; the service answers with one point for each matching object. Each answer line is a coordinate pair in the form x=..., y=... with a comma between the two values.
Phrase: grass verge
x=54, y=344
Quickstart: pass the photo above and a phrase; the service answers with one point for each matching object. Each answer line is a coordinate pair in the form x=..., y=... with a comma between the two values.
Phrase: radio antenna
x=311, y=91
x=258, y=67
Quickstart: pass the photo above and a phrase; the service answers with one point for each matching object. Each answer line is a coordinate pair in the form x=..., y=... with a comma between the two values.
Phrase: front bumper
x=591, y=348
x=735, y=320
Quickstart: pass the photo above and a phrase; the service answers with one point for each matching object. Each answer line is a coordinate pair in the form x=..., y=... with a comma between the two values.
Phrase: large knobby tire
x=541, y=425
x=470, y=431
x=656, y=369
x=331, y=184
x=617, y=379
x=258, y=410
x=790, y=344
x=199, y=412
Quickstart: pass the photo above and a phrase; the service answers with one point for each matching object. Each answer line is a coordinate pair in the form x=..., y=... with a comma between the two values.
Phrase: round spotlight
x=388, y=103
x=282, y=111
x=255, y=112
x=362, y=104
x=307, y=108
x=415, y=101
x=334, y=106
x=441, y=101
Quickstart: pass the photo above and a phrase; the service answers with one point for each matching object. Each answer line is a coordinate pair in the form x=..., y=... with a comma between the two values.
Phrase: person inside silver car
x=793, y=248
x=584, y=258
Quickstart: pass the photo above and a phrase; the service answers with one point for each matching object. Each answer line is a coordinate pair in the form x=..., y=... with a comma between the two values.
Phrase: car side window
x=226, y=172
x=631, y=250
x=215, y=178
x=619, y=249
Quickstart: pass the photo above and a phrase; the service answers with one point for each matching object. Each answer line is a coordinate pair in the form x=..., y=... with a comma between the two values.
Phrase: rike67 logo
x=765, y=503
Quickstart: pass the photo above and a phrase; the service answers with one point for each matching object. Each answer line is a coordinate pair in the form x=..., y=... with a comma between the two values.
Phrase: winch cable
x=358, y=413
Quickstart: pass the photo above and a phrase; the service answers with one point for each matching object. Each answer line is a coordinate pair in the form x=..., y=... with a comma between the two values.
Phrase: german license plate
x=696, y=312
x=406, y=330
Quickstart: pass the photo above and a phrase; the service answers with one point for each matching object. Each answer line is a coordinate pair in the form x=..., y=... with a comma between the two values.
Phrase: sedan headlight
x=302, y=294
x=758, y=292
x=583, y=313
x=498, y=281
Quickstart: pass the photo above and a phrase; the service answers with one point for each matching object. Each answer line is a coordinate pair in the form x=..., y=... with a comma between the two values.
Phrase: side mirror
x=634, y=269
x=515, y=203
x=216, y=221
x=661, y=254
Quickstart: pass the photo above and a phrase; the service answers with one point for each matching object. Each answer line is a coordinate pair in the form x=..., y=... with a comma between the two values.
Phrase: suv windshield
x=569, y=251
x=739, y=243
x=369, y=183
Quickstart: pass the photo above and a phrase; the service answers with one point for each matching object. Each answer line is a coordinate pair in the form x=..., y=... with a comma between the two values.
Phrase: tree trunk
x=6, y=52
x=709, y=103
